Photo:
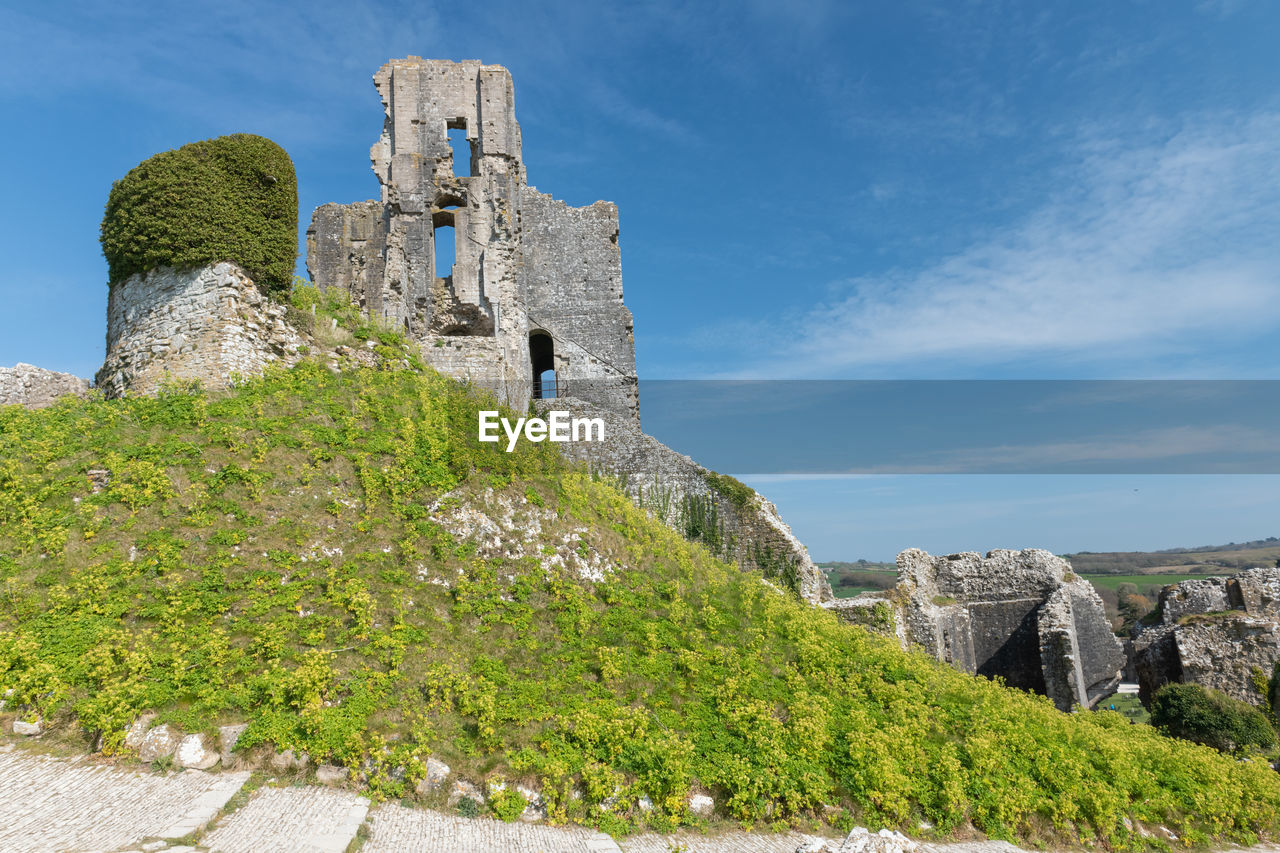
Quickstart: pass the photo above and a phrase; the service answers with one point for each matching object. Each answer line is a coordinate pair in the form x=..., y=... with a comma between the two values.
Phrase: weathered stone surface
x=227, y=739
x=35, y=387
x=1021, y=615
x=525, y=265
x=196, y=752
x=437, y=773
x=329, y=774
x=134, y=735
x=701, y=805
x=1222, y=633
x=29, y=729
x=862, y=840
x=158, y=742
x=207, y=324
x=462, y=788
x=289, y=760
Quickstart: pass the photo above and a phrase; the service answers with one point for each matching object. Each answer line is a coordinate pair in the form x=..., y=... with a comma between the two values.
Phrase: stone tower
x=535, y=285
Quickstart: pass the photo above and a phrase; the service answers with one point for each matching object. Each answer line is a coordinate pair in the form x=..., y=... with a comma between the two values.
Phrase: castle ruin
x=531, y=304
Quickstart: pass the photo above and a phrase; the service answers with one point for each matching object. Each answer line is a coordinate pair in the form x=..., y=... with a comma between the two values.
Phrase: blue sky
x=807, y=190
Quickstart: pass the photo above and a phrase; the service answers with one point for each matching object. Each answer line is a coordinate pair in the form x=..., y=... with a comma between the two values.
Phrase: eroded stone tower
x=534, y=285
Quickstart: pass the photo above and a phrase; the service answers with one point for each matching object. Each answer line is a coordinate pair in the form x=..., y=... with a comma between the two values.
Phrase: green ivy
x=234, y=198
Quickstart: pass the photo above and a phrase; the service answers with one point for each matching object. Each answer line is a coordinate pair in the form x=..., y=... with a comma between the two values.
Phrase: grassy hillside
x=1207, y=559
x=334, y=559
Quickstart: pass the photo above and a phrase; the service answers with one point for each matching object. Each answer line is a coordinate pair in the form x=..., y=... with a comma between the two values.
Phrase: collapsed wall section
x=35, y=387
x=1022, y=616
x=571, y=287
x=1222, y=633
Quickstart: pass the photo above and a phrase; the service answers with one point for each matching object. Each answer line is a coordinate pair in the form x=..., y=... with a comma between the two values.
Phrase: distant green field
x=850, y=591
x=1127, y=704
x=1112, y=582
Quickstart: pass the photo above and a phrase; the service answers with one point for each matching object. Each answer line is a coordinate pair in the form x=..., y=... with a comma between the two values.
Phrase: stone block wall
x=524, y=264
x=35, y=387
x=207, y=324
x=1023, y=616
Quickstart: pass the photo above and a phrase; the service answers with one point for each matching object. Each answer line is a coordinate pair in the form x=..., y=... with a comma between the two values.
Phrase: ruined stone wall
x=35, y=387
x=206, y=324
x=523, y=261
x=571, y=287
x=1220, y=633
x=1023, y=616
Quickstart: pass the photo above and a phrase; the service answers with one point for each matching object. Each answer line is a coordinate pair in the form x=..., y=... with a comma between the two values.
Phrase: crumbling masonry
x=531, y=305
x=535, y=285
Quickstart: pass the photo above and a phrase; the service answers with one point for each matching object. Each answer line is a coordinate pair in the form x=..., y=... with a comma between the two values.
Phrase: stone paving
x=52, y=804
x=290, y=820
x=733, y=842
x=74, y=805
x=395, y=829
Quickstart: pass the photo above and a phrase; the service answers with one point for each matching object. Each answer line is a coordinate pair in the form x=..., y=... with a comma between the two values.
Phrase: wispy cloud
x=1182, y=448
x=1147, y=246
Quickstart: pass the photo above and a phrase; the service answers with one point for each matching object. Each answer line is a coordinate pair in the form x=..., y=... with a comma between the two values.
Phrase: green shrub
x=508, y=804
x=234, y=198
x=1194, y=713
x=738, y=492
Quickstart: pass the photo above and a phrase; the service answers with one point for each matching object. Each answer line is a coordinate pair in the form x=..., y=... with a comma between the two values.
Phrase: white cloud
x=1148, y=246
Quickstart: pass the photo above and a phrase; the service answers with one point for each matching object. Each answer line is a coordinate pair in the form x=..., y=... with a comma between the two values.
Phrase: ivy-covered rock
x=234, y=198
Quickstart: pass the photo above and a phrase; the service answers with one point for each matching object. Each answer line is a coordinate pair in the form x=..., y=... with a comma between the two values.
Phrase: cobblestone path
x=57, y=804
x=290, y=820
x=396, y=829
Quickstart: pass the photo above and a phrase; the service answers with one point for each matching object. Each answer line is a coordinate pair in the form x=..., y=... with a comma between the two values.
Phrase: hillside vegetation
x=333, y=558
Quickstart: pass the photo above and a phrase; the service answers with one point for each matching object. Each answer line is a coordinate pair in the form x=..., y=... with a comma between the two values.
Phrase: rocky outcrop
x=35, y=387
x=731, y=519
x=208, y=324
x=1222, y=633
x=1023, y=616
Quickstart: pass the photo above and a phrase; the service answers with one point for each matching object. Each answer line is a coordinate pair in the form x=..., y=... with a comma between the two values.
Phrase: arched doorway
x=542, y=357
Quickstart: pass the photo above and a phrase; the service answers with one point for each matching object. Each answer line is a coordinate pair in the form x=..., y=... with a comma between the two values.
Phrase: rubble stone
x=1221, y=633
x=196, y=752
x=35, y=387
x=1024, y=616
x=158, y=742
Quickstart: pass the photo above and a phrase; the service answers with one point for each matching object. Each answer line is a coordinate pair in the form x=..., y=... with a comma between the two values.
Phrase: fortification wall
x=1023, y=616
x=207, y=324
x=1217, y=632
x=35, y=387
x=524, y=264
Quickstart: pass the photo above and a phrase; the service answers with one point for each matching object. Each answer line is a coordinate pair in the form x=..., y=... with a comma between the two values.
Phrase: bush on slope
x=288, y=554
